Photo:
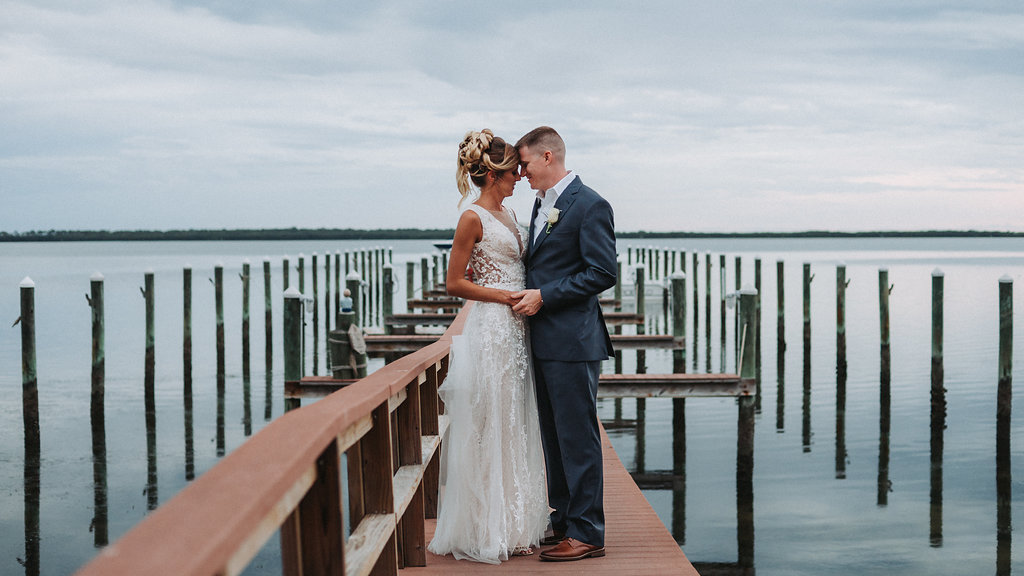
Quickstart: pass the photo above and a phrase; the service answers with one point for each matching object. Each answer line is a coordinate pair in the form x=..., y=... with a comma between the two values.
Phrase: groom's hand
x=530, y=302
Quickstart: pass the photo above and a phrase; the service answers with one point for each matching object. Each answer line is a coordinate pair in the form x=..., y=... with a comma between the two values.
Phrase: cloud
x=728, y=116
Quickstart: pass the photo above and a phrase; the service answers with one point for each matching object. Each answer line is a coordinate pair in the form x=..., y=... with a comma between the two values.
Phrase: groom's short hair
x=542, y=139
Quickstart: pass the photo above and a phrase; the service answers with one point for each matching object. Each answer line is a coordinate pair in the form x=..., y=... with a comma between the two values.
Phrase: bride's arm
x=467, y=234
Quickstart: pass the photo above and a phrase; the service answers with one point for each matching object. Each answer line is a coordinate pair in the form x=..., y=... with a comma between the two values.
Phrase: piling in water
x=410, y=275
x=938, y=369
x=780, y=318
x=1004, y=478
x=30, y=415
x=245, y=319
x=150, y=396
x=315, y=301
x=841, y=283
x=97, y=414
x=388, y=293
x=285, y=273
x=268, y=318
x=292, y=341
x=218, y=286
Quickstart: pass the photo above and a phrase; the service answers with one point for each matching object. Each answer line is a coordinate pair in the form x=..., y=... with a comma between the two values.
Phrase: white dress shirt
x=547, y=202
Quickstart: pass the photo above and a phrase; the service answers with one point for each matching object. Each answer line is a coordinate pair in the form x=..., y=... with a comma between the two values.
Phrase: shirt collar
x=550, y=196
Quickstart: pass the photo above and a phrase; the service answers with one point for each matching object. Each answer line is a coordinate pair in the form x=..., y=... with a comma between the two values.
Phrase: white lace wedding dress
x=493, y=492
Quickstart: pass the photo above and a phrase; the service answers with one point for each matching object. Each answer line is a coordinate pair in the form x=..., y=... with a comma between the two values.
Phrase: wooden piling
x=285, y=273
x=841, y=283
x=246, y=268
x=315, y=301
x=218, y=285
x=186, y=337
x=327, y=300
x=938, y=370
x=678, y=283
x=388, y=293
x=301, y=271
x=150, y=394
x=721, y=308
x=268, y=318
x=618, y=329
x=410, y=275
x=1005, y=390
x=1004, y=471
x=424, y=277
x=641, y=305
x=884, y=289
x=707, y=304
x=98, y=344
x=808, y=278
x=30, y=415
x=780, y=318
x=337, y=286
x=696, y=307
x=736, y=317
x=292, y=341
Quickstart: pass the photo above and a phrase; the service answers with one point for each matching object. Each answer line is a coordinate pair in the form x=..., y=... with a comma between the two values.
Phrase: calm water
x=815, y=512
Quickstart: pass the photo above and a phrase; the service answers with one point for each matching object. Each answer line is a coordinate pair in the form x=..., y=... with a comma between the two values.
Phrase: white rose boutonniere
x=552, y=219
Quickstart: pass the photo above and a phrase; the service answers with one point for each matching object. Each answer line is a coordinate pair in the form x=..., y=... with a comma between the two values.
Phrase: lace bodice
x=497, y=260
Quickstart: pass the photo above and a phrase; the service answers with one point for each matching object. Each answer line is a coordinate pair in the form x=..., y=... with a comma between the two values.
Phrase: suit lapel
x=565, y=200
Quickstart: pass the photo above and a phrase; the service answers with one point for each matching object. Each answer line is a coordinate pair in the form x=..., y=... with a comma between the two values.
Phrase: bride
x=494, y=498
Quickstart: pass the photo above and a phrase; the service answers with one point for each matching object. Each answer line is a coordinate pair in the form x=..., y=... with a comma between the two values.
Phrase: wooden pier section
x=384, y=431
x=636, y=539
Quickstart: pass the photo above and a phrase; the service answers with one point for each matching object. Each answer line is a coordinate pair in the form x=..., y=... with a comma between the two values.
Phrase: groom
x=571, y=260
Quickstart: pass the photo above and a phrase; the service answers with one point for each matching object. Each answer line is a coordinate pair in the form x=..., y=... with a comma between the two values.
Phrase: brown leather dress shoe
x=572, y=549
x=556, y=537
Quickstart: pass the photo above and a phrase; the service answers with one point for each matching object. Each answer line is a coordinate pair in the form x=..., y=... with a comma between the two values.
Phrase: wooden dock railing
x=384, y=428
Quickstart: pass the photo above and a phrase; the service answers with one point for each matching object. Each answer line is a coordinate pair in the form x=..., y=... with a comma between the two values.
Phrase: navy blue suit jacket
x=571, y=266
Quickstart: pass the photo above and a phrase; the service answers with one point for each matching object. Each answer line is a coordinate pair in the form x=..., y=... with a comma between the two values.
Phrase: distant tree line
x=434, y=234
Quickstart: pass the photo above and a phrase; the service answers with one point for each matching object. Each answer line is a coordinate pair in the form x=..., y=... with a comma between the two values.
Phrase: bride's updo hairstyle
x=479, y=153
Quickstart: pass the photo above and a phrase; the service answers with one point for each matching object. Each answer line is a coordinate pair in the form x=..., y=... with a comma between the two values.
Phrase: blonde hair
x=479, y=153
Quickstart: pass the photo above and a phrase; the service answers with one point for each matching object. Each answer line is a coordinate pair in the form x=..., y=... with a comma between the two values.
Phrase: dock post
x=938, y=370
x=721, y=310
x=707, y=308
x=268, y=317
x=780, y=319
x=1004, y=395
x=95, y=299
x=218, y=283
x=808, y=278
x=424, y=277
x=337, y=286
x=757, y=327
x=736, y=317
x=187, y=376
x=410, y=275
x=696, y=308
x=246, y=269
x=315, y=301
x=884, y=289
x=301, y=271
x=30, y=415
x=641, y=368
x=292, y=342
x=618, y=329
x=938, y=414
x=97, y=413
x=388, y=294
x=841, y=283
x=745, y=433
x=285, y=273
x=677, y=280
x=327, y=300
x=150, y=394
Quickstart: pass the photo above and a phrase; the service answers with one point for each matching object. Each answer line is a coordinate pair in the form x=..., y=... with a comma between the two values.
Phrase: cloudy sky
x=706, y=116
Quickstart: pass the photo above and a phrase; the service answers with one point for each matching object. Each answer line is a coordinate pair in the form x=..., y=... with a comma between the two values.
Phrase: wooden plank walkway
x=637, y=540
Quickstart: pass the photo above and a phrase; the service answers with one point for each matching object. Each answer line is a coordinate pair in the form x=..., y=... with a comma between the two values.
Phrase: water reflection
x=884, y=402
x=30, y=412
x=780, y=393
x=220, y=415
x=840, y=421
x=151, y=475
x=805, y=430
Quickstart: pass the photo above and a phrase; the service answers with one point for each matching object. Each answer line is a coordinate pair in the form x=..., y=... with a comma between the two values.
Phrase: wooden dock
x=386, y=428
x=635, y=538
